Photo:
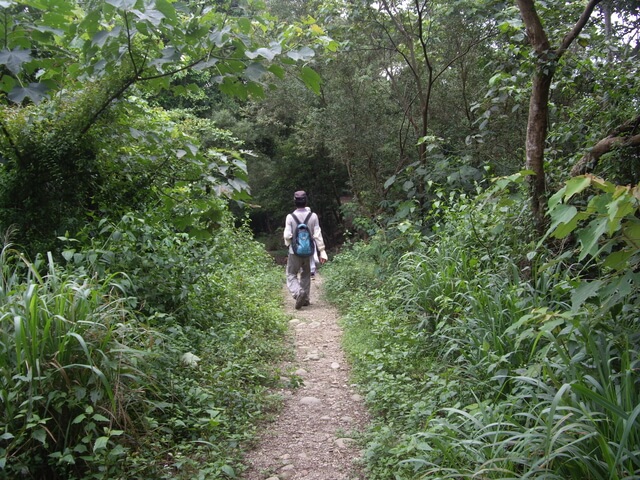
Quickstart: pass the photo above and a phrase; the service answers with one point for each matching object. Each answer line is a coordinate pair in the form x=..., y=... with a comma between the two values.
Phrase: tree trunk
x=539, y=102
x=536, y=138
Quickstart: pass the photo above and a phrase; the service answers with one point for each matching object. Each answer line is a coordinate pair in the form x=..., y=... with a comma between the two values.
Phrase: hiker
x=299, y=267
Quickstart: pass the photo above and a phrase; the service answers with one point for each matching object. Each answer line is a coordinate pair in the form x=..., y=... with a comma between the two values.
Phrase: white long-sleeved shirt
x=314, y=226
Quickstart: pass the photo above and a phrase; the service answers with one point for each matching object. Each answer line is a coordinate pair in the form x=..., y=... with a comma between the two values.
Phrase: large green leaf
x=255, y=72
x=583, y=292
x=562, y=215
x=576, y=185
x=268, y=53
x=14, y=59
x=167, y=10
x=311, y=79
x=122, y=4
x=304, y=54
x=154, y=17
x=35, y=91
x=590, y=236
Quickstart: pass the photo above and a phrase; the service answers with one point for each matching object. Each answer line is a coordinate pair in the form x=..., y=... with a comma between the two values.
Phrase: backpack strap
x=298, y=222
x=306, y=220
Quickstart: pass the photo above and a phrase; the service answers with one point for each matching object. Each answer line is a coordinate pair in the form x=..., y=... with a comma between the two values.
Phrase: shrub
x=482, y=359
x=70, y=385
x=173, y=361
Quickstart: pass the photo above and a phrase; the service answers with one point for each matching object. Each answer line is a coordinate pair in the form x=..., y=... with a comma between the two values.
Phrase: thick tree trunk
x=538, y=109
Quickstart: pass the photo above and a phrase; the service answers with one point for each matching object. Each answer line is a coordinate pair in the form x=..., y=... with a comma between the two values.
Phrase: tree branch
x=571, y=36
x=616, y=140
x=129, y=46
x=462, y=54
x=535, y=31
x=116, y=94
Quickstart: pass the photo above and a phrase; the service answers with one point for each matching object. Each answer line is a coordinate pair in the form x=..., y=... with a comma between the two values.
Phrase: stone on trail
x=344, y=442
x=310, y=401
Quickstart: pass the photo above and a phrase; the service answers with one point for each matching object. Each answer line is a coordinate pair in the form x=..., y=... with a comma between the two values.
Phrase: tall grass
x=558, y=391
x=68, y=375
x=486, y=364
x=163, y=373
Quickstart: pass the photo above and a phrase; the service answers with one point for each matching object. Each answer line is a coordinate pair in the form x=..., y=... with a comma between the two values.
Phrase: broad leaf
x=618, y=209
x=311, y=79
x=277, y=70
x=303, y=54
x=220, y=37
x=206, y=64
x=576, y=185
x=590, y=236
x=268, y=53
x=255, y=72
x=245, y=25
x=255, y=90
x=562, y=215
x=169, y=55
x=122, y=4
x=41, y=435
x=101, y=443
x=7, y=83
x=618, y=260
x=100, y=38
x=35, y=91
x=584, y=291
x=14, y=59
x=154, y=17
x=631, y=231
x=390, y=181
x=167, y=10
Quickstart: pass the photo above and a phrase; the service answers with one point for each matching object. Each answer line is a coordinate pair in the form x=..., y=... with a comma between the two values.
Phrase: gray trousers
x=298, y=282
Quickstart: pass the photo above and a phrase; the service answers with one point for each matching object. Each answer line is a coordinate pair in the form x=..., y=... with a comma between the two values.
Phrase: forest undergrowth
x=162, y=372
x=483, y=354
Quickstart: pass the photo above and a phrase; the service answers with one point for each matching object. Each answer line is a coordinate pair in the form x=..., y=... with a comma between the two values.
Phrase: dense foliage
x=159, y=372
x=484, y=354
x=139, y=318
x=493, y=325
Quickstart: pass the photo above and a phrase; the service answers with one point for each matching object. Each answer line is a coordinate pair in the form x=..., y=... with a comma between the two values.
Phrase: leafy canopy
x=50, y=44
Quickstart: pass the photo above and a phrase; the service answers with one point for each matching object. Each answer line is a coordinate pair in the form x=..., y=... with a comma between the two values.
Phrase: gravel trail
x=313, y=437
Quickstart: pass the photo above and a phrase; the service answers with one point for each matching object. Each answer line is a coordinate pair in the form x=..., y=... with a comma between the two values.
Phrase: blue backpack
x=302, y=241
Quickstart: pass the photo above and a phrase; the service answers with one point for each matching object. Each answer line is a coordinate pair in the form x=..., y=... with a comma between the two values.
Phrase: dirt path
x=313, y=436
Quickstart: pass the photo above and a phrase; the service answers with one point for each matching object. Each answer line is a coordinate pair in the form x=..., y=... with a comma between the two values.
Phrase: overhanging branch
x=625, y=136
x=575, y=31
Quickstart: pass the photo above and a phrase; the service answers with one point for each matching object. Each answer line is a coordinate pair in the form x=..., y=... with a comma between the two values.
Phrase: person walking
x=299, y=268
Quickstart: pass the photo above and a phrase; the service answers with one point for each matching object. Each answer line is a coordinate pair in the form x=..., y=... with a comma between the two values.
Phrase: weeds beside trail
x=477, y=362
x=158, y=373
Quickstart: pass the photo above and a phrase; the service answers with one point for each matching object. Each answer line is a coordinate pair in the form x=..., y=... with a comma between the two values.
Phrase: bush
x=174, y=360
x=70, y=346
x=482, y=359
